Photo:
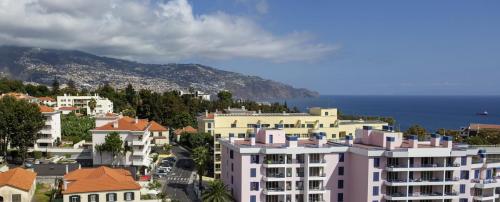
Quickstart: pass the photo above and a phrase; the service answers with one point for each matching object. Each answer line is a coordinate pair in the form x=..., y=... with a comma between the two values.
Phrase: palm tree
x=201, y=158
x=127, y=148
x=92, y=105
x=217, y=191
x=100, y=148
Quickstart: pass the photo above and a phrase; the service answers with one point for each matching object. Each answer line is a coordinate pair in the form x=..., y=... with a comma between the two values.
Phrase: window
x=231, y=134
x=341, y=171
x=254, y=186
x=241, y=135
x=463, y=160
x=253, y=172
x=340, y=184
x=375, y=190
x=334, y=135
x=253, y=198
x=321, y=125
x=93, y=198
x=376, y=162
x=340, y=197
x=209, y=125
x=464, y=200
x=232, y=167
x=111, y=197
x=326, y=113
x=233, y=125
x=129, y=196
x=464, y=175
x=332, y=125
x=74, y=198
x=254, y=159
x=376, y=176
x=462, y=188
x=231, y=154
x=476, y=174
x=232, y=179
x=341, y=157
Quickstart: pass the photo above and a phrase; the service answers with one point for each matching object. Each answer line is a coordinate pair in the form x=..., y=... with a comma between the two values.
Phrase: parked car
x=28, y=163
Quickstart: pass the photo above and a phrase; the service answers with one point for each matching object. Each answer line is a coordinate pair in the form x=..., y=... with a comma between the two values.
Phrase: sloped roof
x=46, y=99
x=187, y=129
x=68, y=108
x=125, y=123
x=99, y=179
x=46, y=109
x=157, y=127
x=18, y=178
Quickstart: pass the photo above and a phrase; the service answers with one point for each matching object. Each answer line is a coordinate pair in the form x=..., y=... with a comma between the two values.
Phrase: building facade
x=17, y=185
x=376, y=165
x=51, y=132
x=132, y=131
x=100, y=184
x=103, y=105
x=241, y=123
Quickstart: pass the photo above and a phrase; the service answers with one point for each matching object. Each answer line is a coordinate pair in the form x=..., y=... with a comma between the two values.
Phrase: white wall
x=102, y=195
x=7, y=191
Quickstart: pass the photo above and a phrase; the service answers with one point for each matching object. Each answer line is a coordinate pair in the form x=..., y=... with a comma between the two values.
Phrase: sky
x=387, y=47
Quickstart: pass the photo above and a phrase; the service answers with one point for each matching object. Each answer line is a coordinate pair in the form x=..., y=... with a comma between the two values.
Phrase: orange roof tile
x=68, y=108
x=126, y=123
x=156, y=127
x=18, y=178
x=46, y=99
x=45, y=109
x=187, y=129
x=99, y=179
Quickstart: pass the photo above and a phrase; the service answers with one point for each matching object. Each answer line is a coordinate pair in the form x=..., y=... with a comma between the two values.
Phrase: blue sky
x=386, y=47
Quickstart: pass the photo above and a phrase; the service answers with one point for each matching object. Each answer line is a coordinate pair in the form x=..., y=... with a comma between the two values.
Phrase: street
x=176, y=183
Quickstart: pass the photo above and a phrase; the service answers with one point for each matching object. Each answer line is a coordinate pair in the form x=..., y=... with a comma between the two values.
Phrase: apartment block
x=240, y=123
x=376, y=165
x=133, y=132
x=103, y=105
x=51, y=132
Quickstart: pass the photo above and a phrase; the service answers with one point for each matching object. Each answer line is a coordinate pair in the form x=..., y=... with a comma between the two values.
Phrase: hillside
x=89, y=71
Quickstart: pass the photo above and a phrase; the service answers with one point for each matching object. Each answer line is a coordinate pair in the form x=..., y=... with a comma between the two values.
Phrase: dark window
x=462, y=188
x=334, y=135
x=464, y=160
x=111, y=197
x=341, y=170
x=233, y=125
x=254, y=186
x=254, y=159
x=340, y=197
x=232, y=179
x=241, y=135
x=332, y=125
x=74, y=198
x=231, y=134
x=341, y=157
x=464, y=200
x=232, y=167
x=253, y=172
x=376, y=162
x=464, y=175
x=253, y=198
x=321, y=125
x=231, y=154
x=376, y=176
x=129, y=196
x=375, y=190
x=340, y=184
x=93, y=198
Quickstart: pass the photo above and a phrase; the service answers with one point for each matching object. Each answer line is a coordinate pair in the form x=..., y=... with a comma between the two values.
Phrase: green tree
x=201, y=158
x=55, y=87
x=217, y=191
x=92, y=105
x=113, y=144
x=100, y=148
x=225, y=99
x=20, y=123
x=77, y=128
x=130, y=95
x=416, y=130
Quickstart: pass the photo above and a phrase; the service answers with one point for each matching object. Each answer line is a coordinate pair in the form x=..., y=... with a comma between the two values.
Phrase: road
x=176, y=184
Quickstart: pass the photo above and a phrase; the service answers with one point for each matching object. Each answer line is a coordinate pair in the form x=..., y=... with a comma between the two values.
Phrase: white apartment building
x=51, y=132
x=133, y=132
x=198, y=94
x=103, y=105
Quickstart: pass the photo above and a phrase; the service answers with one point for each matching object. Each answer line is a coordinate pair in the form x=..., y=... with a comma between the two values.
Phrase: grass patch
x=42, y=192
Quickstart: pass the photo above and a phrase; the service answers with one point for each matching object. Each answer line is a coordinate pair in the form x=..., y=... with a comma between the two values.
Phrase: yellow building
x=241, y=123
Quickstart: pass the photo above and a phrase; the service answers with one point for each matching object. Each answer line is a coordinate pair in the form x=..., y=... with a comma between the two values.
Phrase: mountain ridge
x=39, y=65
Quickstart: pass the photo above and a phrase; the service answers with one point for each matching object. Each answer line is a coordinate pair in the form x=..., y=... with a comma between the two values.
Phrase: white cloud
x=262, y=7
x=148, y=31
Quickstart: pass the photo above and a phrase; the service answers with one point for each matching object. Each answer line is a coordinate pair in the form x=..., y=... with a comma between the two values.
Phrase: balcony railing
x=317, y=175
x=276, y=175
x=316, y=188
x=274, y=162
x=317, y=161
x=274, y=189
x=485, y=181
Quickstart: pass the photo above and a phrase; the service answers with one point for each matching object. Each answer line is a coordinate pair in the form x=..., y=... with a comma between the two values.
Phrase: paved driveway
x=177, y=183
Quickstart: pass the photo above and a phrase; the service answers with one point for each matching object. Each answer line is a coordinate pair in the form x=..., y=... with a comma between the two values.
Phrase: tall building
x=103, y=105
x=241, y=123
x=132, y=131
x=376, y=165
x=51, y=132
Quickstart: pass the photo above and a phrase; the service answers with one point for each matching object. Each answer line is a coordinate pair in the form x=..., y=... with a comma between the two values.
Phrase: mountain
x=86, y=70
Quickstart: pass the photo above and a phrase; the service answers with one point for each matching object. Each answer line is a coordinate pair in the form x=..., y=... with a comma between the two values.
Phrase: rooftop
x=125, y=124
x=156, y=127
x=99, y=179
x=46, y=109
x=187, y=129
x=18, y=178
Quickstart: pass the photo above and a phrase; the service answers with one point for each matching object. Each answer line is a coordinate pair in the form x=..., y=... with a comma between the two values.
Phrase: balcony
x=313, y=162
x=486, y=184
x=421, y=196
x=274, y=163
x=273, y=191
x=422, y=167
x=274, y=177
x=416, y=182
x=47, y=140
x=316, y=189
x=486, y=197
x=139, y=142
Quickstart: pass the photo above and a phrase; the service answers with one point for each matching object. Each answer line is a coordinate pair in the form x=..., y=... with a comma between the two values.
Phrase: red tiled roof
x=187, y=129
x=68, y=108
x=46, y=99
x=99, y=179
x=156, y=127
x=126, y=123
x=18, y=178
x=46, y=109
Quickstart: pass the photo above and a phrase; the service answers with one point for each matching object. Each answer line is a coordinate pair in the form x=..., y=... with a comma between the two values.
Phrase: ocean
x=431, y=112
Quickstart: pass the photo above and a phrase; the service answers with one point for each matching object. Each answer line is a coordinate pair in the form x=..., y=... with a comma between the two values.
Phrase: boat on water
x=485, y=113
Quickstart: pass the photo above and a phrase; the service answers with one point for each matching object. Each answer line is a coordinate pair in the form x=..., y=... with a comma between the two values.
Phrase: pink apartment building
x=378, y=165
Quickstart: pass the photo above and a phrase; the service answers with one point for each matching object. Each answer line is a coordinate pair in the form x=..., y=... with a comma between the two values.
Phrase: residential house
x=48, y=101
x=180, y=131
x=103, y=105
x=160, y=134
x=51, y=132
x=17, y=185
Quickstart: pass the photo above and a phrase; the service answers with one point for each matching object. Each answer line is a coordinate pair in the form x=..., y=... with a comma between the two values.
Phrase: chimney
x=260, y=111
x=413, y=141
x=136, y=120
x=65, y=185
x=390, y=144
x=67, y=169
x=435, y=140
x=447, y=141
x=349, y=140
x=291, y=141
x=115, y=124
x=252, y=139
x=243, y=107
x=206, y=113
x=320, y=140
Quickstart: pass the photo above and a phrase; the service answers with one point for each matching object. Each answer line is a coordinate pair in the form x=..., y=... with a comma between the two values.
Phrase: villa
x=17, y=185
x=103, y=105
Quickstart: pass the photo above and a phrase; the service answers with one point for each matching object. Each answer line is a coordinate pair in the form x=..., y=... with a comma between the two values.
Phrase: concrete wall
x=7, y=191
x=102, y=195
